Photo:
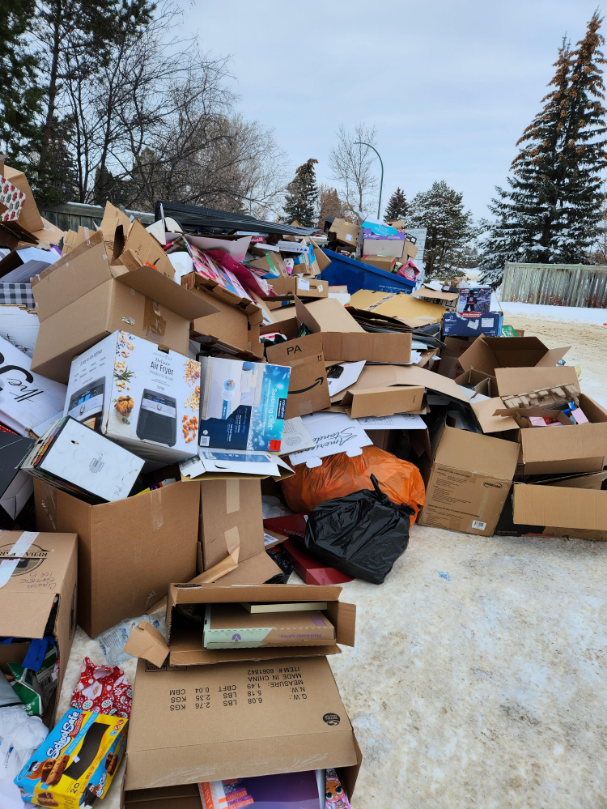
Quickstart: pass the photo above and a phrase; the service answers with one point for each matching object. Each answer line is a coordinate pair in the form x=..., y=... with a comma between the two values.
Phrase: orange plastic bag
x=339, y=476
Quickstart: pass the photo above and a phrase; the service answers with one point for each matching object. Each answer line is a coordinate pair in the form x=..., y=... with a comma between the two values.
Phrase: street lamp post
x=381, y=182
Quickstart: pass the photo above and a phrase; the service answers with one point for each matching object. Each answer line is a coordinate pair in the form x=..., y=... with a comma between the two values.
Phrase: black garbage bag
x=362, y=534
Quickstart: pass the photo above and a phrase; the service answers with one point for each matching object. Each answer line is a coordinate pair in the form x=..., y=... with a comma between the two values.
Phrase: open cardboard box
x=487, y=354
x=568, y=449
x=129, y=550
x=308, y=388
x=209, y=723
x=184, y=644
x=514, y=381
x=36, y=568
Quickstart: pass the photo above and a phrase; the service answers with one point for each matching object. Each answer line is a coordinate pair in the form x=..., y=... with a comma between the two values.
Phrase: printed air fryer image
x=157, y=418
x=86, y=404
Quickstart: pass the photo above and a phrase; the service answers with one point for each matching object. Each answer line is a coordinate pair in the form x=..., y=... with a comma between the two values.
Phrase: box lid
x=477, y=453
x=32, y=568
x=252, y=721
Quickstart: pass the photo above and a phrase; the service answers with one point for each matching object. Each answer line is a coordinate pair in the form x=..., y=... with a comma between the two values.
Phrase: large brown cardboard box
x=577, y=511
x=183, y=646
x=288, y=287
x=129, y=551
x=234, y=328
x=383, y=401
x=468, y=481
x=47, y=567
x=486, y=354
x=347, y=235
x=110, y=307
x=308, y=387
x=208, y=723
x=88, y=266
x=385, y=263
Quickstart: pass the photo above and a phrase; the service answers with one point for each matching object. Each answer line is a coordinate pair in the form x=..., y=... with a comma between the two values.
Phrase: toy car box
x=139, y=395
x=76, y=763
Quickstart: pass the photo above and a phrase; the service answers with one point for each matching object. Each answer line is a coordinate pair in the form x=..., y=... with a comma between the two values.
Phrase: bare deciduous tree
x=352, y=166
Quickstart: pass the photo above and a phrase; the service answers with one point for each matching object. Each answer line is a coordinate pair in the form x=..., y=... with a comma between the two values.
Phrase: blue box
x=242, y=404
x=489, y=324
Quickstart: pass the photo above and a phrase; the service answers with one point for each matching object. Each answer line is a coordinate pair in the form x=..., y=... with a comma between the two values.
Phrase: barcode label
x=486, y=322
x=96, y=465
x=304, y=284
x=205, y=440
x=478, y=524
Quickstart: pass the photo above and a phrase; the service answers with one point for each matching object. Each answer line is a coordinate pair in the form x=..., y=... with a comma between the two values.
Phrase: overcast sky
x=450, y=86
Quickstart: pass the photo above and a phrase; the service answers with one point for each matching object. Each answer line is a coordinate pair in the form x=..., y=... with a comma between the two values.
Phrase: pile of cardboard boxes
x=157, y=385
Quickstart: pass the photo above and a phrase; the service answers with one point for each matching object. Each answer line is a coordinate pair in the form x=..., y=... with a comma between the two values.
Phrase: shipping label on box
x=139, y=395
x=29, y=403
x=242, y=404
x=76, y=763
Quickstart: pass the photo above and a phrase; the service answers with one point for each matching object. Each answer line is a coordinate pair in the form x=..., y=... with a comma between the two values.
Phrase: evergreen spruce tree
x=553, y=206
x=397, y=206
x=449, y=226
x=20, y=94
x=302, y=196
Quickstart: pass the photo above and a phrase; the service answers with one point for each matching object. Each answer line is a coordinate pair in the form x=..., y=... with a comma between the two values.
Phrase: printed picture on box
x=475, y=301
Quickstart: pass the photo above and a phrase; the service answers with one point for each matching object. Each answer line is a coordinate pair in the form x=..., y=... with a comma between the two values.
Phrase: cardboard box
x=382, y=401
x=80, y=461
x=308, y=388
x=398, y=304
x=382, y=244
x=171, y=740
x=139, y=395
x=287, y=288
x=77, y=761
x=29, y=216
x=456, y=325
x=242, y=404
x=578, y=512
x=231, y=626
x=438, y=296
x=104, y=310
x=474, y=301
x=234, y=329
x=384, y=263
x=478, y=382
x=184, y=646
x=572, y=449
x=387, y=376
x=344, y=340
x=230, y=518
x=487, y=354
x=29, y=403
x=468, y=482
x=409, y=250
x=89, y=265
x=41, y=565
x=321, y=257
x=347, y=235
x=129, y=550
x=15, y=486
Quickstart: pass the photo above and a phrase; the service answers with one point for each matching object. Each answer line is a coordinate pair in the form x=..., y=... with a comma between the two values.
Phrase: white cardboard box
x=138, y=394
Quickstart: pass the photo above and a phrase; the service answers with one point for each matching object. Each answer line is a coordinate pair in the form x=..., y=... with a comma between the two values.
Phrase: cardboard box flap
x=436, y=294
x=582, y=509
x=375, y=376
x=542, y=445
x=476, y=453
x=164, y=290
x=326, y=314
x=343, y=617
x=217, y=594
x=486, y=414
x=147, y=643
x=383, y=401
x=513, y=381
x=24, y=614
x=552, y=356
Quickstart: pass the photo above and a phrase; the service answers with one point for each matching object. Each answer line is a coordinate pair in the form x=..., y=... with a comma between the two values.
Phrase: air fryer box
x=139, y=395
x=242, y=404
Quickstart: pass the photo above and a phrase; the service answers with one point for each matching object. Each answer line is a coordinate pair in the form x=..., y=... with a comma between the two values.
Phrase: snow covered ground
x=564, y=314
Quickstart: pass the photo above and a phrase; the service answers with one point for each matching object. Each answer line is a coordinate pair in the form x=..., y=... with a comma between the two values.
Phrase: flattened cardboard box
x=129, y=551
x=308, y=388
x=48, y=566
x=184, y=646
x=468, y=482
x=211, y=723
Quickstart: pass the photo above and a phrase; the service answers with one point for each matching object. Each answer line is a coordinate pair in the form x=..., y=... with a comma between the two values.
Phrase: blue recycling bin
x=344, y=271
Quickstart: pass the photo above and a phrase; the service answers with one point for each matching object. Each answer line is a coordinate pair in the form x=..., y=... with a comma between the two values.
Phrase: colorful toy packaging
x=76, y=763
